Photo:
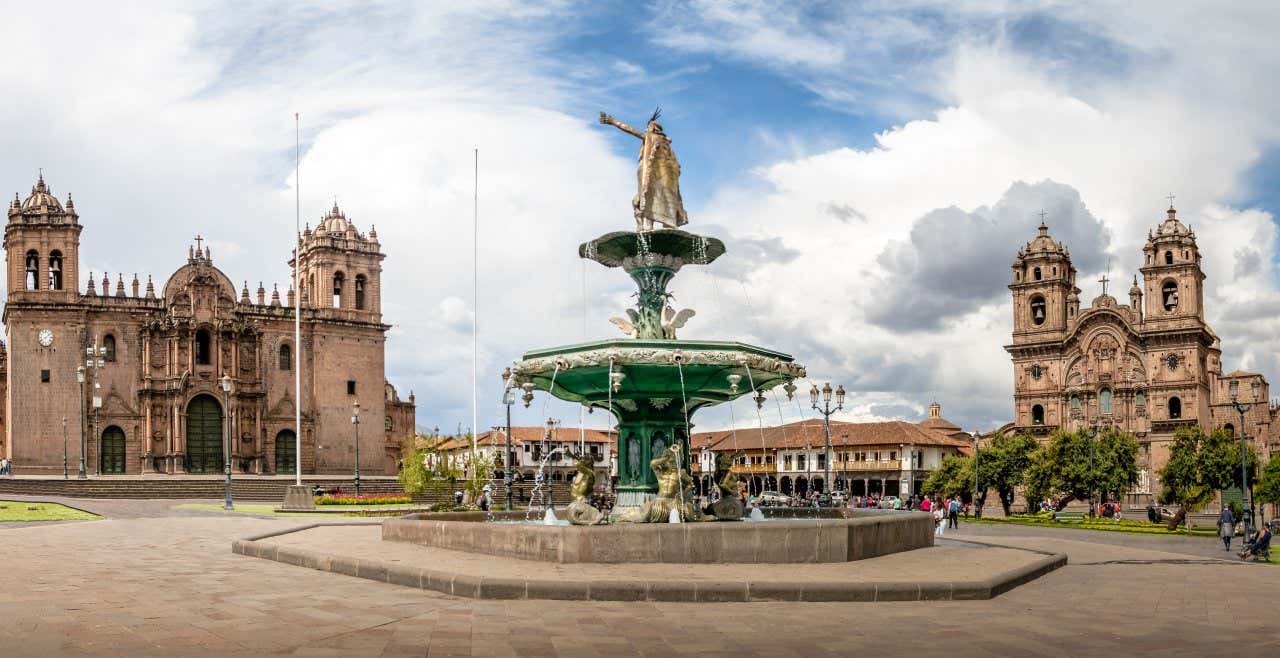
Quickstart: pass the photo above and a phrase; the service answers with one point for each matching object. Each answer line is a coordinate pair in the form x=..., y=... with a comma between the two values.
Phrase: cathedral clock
x=1172, y=359
x=45, y=337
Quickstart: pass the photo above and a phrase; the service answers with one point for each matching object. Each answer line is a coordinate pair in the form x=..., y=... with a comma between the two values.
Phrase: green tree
x=1073, y=465
x=954, y=476
x=1002, y=464
x=1037, y=477
x=1115, y=464
x=426, y=467
x=1199, y=464
x=1268, y=488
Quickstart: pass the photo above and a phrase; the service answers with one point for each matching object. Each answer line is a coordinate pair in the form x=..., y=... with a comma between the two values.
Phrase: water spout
x=674, y=517
x=756, y=514
x=550, y=517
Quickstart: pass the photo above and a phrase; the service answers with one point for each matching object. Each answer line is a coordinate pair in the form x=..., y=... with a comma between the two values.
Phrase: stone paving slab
x=955, y=572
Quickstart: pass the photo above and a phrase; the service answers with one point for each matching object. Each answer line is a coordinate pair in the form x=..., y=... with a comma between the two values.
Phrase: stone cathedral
x=155, y=404
x=1146, y=367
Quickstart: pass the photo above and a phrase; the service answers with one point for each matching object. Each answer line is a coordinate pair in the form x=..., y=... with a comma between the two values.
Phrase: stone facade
x=155, y=405
x=1146, y=367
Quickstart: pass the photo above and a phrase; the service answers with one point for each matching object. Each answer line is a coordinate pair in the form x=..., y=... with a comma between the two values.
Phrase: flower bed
x=1108, y=525
x=364, y=499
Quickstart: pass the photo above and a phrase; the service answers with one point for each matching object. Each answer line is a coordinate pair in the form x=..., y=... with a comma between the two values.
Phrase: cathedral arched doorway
x=286, y=452
x=111, y=457
x=204, y=435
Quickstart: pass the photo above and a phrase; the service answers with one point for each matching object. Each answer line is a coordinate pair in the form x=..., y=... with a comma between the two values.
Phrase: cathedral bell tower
x=1045, y=297
x=42, y=246
x=1171, y=274
x=341, y=268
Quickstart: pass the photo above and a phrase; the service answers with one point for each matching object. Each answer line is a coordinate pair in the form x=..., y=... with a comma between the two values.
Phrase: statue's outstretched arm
x=610, y=121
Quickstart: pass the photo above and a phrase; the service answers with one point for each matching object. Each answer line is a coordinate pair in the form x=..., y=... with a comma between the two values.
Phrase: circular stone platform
x=833, y=535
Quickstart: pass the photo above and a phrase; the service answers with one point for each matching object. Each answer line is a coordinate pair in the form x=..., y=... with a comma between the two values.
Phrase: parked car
x=774, y=499
x=889, y=502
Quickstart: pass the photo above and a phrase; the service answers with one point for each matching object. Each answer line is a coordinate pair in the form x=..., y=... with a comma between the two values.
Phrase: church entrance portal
x=204, y=435
x=286, y=448
x=112, y=452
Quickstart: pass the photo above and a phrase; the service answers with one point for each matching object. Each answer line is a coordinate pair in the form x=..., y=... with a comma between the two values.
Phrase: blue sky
x=873, y=166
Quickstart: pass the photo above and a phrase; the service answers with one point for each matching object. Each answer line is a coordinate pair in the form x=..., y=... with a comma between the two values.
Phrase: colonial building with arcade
x=1147, y=367
x=152, y=400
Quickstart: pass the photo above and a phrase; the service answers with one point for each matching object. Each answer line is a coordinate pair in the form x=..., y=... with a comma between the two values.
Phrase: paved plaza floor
x=151, y=581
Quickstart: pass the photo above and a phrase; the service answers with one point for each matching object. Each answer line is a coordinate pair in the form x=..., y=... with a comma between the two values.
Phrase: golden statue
x=673, y=483
x=581, y=511
x=657, y=199
x=729, y=507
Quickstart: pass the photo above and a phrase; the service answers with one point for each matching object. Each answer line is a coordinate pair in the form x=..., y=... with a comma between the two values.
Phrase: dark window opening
x=33, y=270
x=1037, y=310
x=360, y=281
x=44, y=376
x=204, y=354
x=1036, y=273
x=109, y=348
x=286, y=357
x=337, y=289
x=1168, y=258
x=1169, y=293
x=351, y=387
x=1175, y=408
x=1230, y=428
x=55, y=270
x=1037, y=415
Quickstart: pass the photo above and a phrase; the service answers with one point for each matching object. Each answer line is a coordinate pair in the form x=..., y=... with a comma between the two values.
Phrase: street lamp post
x=80, y=474
x=826, y=410
x=1093, y=433
x=508, y=399
x=226, y=440
x=1241, y=407
x=355, y=420
x=96, y=359
x=64, y=448
x=977, y=509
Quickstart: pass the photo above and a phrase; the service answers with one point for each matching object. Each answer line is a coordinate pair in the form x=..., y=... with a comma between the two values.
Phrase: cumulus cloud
x=954, y=261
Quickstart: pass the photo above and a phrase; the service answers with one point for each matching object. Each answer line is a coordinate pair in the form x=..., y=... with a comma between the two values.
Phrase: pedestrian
x=4, y=466
x=925, y=504
x=938, y=525
x=485, y=500
x=457, y=497
x=1226, y=527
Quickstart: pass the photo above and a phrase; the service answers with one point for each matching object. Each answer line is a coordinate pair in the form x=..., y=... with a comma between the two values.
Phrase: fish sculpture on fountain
x=652, y=382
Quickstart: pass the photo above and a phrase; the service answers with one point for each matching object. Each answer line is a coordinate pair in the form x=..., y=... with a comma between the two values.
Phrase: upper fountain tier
x=669, y=249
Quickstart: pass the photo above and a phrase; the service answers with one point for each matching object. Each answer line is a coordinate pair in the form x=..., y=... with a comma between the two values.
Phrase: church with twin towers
x=1146, y=367
x=152, y=401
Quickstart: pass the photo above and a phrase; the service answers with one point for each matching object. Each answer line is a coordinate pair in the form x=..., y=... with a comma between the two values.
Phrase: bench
x=1069, y=517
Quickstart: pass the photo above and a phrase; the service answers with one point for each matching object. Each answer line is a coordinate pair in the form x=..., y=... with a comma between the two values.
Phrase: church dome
x=1044, y=243
x=334, y=221
x=1172, y=227
x=41, y=199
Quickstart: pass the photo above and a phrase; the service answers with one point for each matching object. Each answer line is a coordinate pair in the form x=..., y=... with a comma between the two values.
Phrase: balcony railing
x=755, y=468
x=884, y=465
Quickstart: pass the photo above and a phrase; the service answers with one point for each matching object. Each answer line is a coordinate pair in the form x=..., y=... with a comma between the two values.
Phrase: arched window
x=1037, y=415
x=1104, y=401
x=1140, y=399
x=33, y=270
x=286, y=357
x=55, y=270
x=338, y=278
x=1169, y=295
x=1230, y=428
x=1037, y=310
x=360, y=292
x=1036, y=273
x=204, y=354
x=1175, y=408
x=109, y=348
x=1017, y=276
x=1168, y=258
x=1075, y=402
x=1055, y=271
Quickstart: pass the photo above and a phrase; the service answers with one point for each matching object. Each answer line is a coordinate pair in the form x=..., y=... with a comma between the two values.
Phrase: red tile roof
x=811, y=433
x=519, y=435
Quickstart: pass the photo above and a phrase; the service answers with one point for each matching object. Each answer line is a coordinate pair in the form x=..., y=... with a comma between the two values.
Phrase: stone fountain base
x=831, y=536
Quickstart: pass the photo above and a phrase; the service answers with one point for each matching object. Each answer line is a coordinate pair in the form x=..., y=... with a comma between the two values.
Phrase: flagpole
x=475, y=304
x=297, y=299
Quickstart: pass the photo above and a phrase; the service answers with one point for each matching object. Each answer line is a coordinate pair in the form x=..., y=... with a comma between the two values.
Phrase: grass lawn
x=16, y=510
x=1131, y=527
